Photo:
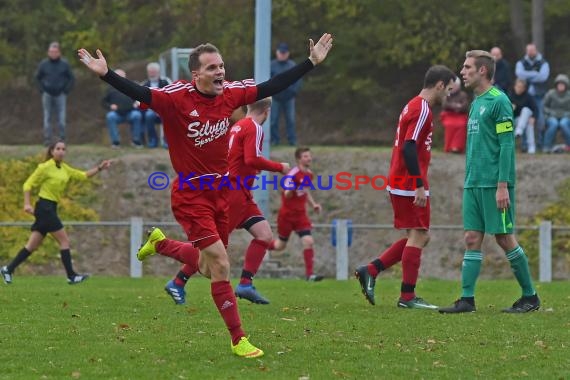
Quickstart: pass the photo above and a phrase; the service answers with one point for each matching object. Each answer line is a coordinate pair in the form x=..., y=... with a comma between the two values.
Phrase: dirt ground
x=124, y=192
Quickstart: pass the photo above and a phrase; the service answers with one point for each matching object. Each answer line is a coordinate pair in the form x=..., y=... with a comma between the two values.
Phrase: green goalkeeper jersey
x=490, y=154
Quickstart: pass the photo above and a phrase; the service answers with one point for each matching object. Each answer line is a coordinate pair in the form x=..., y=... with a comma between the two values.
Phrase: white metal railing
x=136, y=225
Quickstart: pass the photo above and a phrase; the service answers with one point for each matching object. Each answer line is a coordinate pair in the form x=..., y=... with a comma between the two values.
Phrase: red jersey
x=294, y=179
x=196, y=126
x=415, y=123
x=245, y=157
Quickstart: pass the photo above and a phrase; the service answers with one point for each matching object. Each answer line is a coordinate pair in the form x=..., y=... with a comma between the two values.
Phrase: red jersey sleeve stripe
x=421, y=120
x=258, y=139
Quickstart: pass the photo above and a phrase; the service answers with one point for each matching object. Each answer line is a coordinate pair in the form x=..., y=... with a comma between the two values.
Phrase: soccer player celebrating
x=245, y=160
x=293, y=213
x=409, y=190
x=196, y=123
x=489, y=186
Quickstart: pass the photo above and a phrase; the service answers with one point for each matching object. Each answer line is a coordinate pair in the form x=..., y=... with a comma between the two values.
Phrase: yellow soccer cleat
x=149, y=247
x=246, y=349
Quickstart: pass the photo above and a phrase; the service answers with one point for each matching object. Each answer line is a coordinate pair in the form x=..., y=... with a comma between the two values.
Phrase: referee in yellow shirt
x=51, y=177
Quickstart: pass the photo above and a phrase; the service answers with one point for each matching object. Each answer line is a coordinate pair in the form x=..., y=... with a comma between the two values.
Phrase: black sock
x=66, y=260
x=469, y=300
x=19, y=259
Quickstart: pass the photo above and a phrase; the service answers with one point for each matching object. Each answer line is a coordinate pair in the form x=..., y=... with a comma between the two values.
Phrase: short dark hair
x=260, y=106
x=299, y=151
x=436, y=74
x=483, y=58
x=194, y=57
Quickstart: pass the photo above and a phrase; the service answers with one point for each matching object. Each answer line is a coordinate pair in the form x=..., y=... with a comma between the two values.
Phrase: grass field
x=122, y=328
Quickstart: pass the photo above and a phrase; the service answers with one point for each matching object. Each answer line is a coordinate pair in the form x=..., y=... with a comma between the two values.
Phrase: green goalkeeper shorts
x=480, y=212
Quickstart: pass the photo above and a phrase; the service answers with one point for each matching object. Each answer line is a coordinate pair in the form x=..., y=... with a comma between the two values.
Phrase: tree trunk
x=518, y=27
x=538, y=24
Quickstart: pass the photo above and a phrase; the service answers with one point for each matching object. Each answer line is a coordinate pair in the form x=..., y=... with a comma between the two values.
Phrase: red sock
x=253, y=258
x=183, y=252
x=389, y=257
x=308, y=256
x=411, y=259
x=225, y=300
x=186, y=271
x=271, y=245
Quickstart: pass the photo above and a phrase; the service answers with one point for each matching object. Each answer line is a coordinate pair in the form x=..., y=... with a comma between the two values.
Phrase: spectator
x=535, y=70
x=557, y=112
x=503, y=77
x=524, y=111
x=454, y=119
x=151, y=118
x=122, y=109
x=285, y=100
x=55, y=79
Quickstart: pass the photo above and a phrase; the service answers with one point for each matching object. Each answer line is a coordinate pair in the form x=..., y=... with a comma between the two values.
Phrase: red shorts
x=287, y=223
x=242, y=208
x=203, y=214
x=407, y=215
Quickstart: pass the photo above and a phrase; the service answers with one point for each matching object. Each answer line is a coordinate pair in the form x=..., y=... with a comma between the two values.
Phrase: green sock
x=519, y=265
x=470, y=271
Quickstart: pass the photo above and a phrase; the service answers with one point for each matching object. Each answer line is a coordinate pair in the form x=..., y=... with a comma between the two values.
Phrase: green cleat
x=246, y=349
x=149, y=247
x=416, y=303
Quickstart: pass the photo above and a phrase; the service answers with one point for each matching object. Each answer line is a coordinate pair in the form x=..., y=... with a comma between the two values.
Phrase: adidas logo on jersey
x=194, y=113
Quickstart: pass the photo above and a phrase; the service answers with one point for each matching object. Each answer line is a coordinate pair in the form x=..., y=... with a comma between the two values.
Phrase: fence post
x=545, y=251
x=341, y=249
x=136, y=241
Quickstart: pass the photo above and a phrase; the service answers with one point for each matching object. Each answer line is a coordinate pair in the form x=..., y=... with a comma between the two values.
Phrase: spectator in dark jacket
x=151, y=118
x=557, y=112
x=122, y=109
x=503, y=77
x=285, y=100
x=54, y=79
x=524, y=111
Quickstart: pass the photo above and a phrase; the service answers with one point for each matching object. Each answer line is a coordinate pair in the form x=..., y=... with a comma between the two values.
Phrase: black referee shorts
x=46, y=217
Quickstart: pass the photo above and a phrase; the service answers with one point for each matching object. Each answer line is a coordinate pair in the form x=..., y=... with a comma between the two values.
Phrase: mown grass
x=122, y=328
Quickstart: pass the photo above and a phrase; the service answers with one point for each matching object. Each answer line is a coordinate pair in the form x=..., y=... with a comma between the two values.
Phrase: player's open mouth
x=218, y=83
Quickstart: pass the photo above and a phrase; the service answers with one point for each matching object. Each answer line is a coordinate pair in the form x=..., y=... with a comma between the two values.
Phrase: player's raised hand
x=286, y=167
x=319, y=51
x=97, y=65
x=317, y=208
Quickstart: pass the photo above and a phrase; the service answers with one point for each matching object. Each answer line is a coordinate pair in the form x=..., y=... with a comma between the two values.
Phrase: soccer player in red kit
x=293, y=213
x=246, y=161
x=409, y=190
x=195, y=117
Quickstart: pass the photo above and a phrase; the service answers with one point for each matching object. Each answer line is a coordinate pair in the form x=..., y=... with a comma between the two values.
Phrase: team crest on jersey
x=206, y=133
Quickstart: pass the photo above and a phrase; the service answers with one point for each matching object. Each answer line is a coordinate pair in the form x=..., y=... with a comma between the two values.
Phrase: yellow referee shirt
x=52, y=180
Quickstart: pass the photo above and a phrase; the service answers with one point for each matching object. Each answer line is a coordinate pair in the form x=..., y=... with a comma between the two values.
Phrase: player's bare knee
x=307, y=242
x=472, y=240
x=265, y=236
x=506, y=241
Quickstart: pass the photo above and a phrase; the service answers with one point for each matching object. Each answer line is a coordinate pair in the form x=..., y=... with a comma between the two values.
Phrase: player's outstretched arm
x=318, y=53
x=99, y=66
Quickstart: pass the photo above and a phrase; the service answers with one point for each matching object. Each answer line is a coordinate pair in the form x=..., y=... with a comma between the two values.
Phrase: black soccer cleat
x=367, y=283
x=459, y=306
x=524, y=305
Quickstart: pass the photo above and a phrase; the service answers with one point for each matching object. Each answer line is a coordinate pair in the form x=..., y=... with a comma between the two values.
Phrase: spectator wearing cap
x=557, y=112
x=283, y=102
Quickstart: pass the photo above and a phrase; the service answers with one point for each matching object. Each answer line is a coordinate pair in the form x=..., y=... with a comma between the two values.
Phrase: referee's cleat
x=177, y=293
x=367, y=283
x=315, y=278
x=149, y=247
x=459, y=306
x=77, y=279
x=524, y=305
x=246, y=349
x=416, y=303
x=249, y=293
x=6, y=275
